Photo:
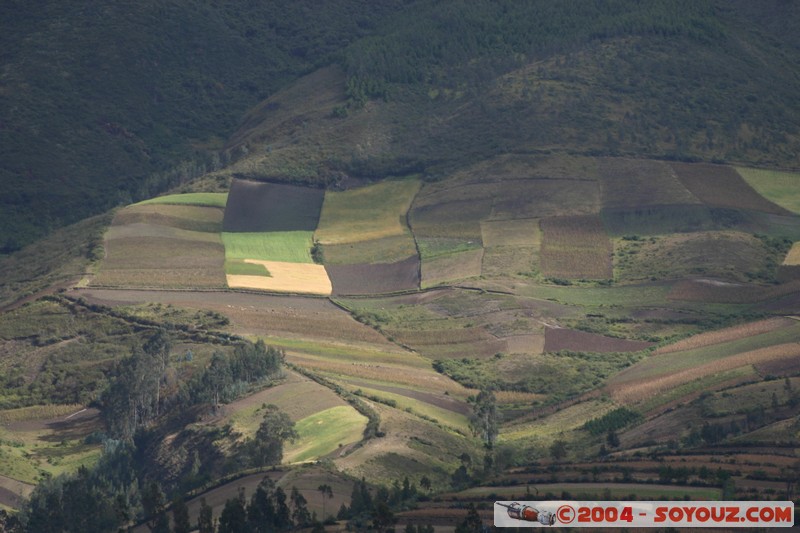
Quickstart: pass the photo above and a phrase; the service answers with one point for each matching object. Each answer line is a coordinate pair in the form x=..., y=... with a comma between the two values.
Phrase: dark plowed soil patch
x=722, y=186
x=375, y=278
x=556, y=339
x=256, y=207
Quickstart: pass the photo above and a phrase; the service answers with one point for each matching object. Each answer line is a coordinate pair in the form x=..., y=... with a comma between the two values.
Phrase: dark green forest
x=111, y=103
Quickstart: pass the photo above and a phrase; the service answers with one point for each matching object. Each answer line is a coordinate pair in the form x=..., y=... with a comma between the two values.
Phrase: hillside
x=433, y=255
x=112, y=103
x=680, y=81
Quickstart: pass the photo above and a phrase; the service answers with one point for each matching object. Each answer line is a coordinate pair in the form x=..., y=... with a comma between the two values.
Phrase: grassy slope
x=324, y=432
x=205, y=199
x=287, y=246
x=783, y=188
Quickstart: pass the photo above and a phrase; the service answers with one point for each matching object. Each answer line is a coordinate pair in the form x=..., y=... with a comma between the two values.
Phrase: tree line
x=146, y=385
x=144, y=389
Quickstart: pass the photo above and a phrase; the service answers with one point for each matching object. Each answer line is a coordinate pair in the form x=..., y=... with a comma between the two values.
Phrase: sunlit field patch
x=284, y=277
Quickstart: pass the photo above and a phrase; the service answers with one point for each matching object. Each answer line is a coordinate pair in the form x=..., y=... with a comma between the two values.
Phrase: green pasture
x=284, y=246
x=782, y=188
x=366, y=213
x=205, y=199
x=27, y=455
x=324, y=432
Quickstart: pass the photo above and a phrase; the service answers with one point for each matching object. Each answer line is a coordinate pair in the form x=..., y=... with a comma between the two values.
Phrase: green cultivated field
x=367, y=213
x=325, y=432
x=238, y=267
x=285, y=246
x=782, y=188
x=206, y=199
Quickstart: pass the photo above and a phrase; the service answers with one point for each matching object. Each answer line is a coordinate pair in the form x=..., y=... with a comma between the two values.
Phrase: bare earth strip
x=650, y=387
x=286, y=277
x=727, y=334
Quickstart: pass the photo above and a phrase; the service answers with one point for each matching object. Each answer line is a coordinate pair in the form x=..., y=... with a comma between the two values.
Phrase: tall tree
x=300, y=515
x=205, y=521
x=180, y=516
x=485, y=417
x=472, y=523
x=275, y=429
x=154, y=504
x=217, y=377
x=283, y=519
x=327, y=492
x=261, y=511
x=233, y=518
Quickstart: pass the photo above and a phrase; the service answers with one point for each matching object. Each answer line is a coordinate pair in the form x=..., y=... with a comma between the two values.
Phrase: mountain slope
x=99, y=105
x=689, y=81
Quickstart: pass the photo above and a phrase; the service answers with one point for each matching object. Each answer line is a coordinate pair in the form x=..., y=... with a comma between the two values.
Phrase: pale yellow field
x=286, y=277
x=793, y=257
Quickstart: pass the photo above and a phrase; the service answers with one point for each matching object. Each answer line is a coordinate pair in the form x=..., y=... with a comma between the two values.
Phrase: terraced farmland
x=172, y=243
